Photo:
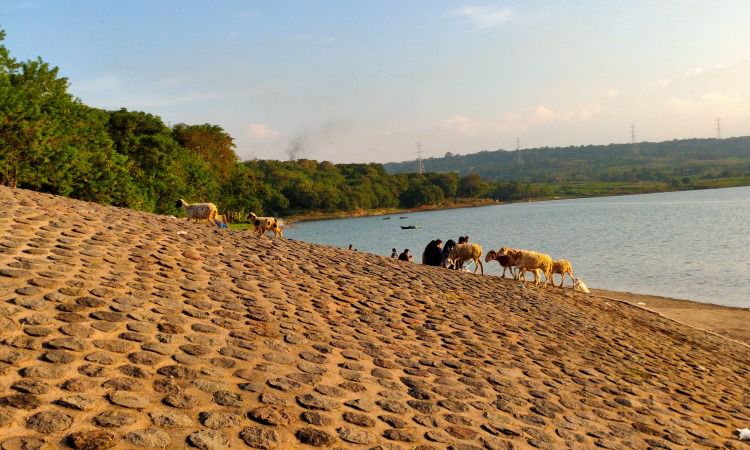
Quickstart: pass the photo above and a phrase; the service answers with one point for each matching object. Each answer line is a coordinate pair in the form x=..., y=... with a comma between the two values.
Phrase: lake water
x=691, y=245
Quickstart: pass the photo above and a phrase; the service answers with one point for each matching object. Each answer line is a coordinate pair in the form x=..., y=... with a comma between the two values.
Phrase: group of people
x=403, y=256
x=435, y=253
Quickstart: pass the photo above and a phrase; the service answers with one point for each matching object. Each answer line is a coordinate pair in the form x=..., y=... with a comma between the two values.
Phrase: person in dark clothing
x=405, y=256
x=394, y=253
x=446, y=249
x=433, y=253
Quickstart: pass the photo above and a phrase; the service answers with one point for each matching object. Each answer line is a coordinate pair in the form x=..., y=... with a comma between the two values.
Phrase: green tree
x=31, y=97
x=50, y=141
x=162, y=169
x=212, y=144
x=448, y=182
x=472, y=186
x=421, y=192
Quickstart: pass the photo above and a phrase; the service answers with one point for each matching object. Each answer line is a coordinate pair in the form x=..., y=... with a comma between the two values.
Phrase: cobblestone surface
x=120, y=329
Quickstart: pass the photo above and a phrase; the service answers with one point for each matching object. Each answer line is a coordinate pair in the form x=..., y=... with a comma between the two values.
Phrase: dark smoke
x=297, y=147
x=307, y=144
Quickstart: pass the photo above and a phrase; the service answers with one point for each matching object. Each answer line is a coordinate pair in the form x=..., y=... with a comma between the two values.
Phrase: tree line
x=51, y=142
x=668, y=161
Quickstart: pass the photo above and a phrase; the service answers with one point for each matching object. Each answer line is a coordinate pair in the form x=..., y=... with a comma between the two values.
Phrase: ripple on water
x=689, y=244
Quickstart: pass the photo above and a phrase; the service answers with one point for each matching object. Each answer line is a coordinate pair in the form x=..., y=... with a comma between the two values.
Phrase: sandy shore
x=126, y=330
x=722, y=320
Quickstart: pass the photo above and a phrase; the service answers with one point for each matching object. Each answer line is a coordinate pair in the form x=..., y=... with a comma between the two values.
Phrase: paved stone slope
x=121, y=329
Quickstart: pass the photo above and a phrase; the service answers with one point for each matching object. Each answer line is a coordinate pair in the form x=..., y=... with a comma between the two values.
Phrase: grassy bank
x=586, y=189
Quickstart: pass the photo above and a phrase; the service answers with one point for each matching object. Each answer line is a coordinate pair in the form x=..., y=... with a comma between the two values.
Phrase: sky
x=366, y=81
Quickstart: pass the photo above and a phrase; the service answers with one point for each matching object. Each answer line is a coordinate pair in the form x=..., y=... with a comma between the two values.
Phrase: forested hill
x=709, y=158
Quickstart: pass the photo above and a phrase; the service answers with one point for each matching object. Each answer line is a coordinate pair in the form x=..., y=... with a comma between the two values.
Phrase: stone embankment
x=121, y=329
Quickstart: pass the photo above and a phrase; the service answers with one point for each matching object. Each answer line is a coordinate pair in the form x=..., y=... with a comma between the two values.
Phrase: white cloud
x=260, y=132
x=684, y=105
x=517, y=121
x=722, y=98
x=588, y=113
x=543, y=114
x=664, y=82
x=483, y=17
x=721, y=90
x=459, y=124
x=612, y=93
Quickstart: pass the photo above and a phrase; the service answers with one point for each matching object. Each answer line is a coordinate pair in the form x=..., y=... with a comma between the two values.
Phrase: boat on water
x=410, y=227
x=386, y=218
x=404, y=217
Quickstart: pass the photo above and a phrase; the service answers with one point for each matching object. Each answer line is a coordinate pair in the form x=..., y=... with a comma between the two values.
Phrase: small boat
x=404, y=217
x=386, y=218
x=410, y=227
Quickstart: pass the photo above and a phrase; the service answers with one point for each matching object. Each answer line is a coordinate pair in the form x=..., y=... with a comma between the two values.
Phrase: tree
x=421, y=192
x=162, y=169
x=472, y=186
x=448, y=182
x=211, y=143
x=31, y=99
x=50, y=141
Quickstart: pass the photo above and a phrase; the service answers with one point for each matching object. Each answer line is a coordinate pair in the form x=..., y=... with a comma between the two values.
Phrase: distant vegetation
x=677, y=164
x=51, y=142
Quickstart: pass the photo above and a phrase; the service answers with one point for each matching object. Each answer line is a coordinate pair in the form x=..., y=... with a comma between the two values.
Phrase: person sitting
x=405, y=256
x=433, y=253
x=394, y=253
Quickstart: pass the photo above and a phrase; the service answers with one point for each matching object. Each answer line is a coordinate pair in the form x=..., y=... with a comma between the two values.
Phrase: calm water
x=691, y=245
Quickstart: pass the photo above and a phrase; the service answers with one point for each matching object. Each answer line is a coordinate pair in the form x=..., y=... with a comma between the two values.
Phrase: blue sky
x=356, y=80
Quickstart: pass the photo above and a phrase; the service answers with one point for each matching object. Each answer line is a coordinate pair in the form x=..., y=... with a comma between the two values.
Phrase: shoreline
x=726, y=321
x=470, y=203
x=310, y=217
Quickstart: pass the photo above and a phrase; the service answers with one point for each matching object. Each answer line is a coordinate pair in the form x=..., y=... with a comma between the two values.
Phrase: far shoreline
x=311, y=217
x=464, y=203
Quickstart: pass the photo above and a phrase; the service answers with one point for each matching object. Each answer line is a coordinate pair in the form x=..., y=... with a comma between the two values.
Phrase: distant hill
x=707, y=158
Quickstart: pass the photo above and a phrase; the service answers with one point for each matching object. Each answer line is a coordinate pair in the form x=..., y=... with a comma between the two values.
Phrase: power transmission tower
x=518, y=151
x=718, y=128
x=633, y=144
x=420, y=161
